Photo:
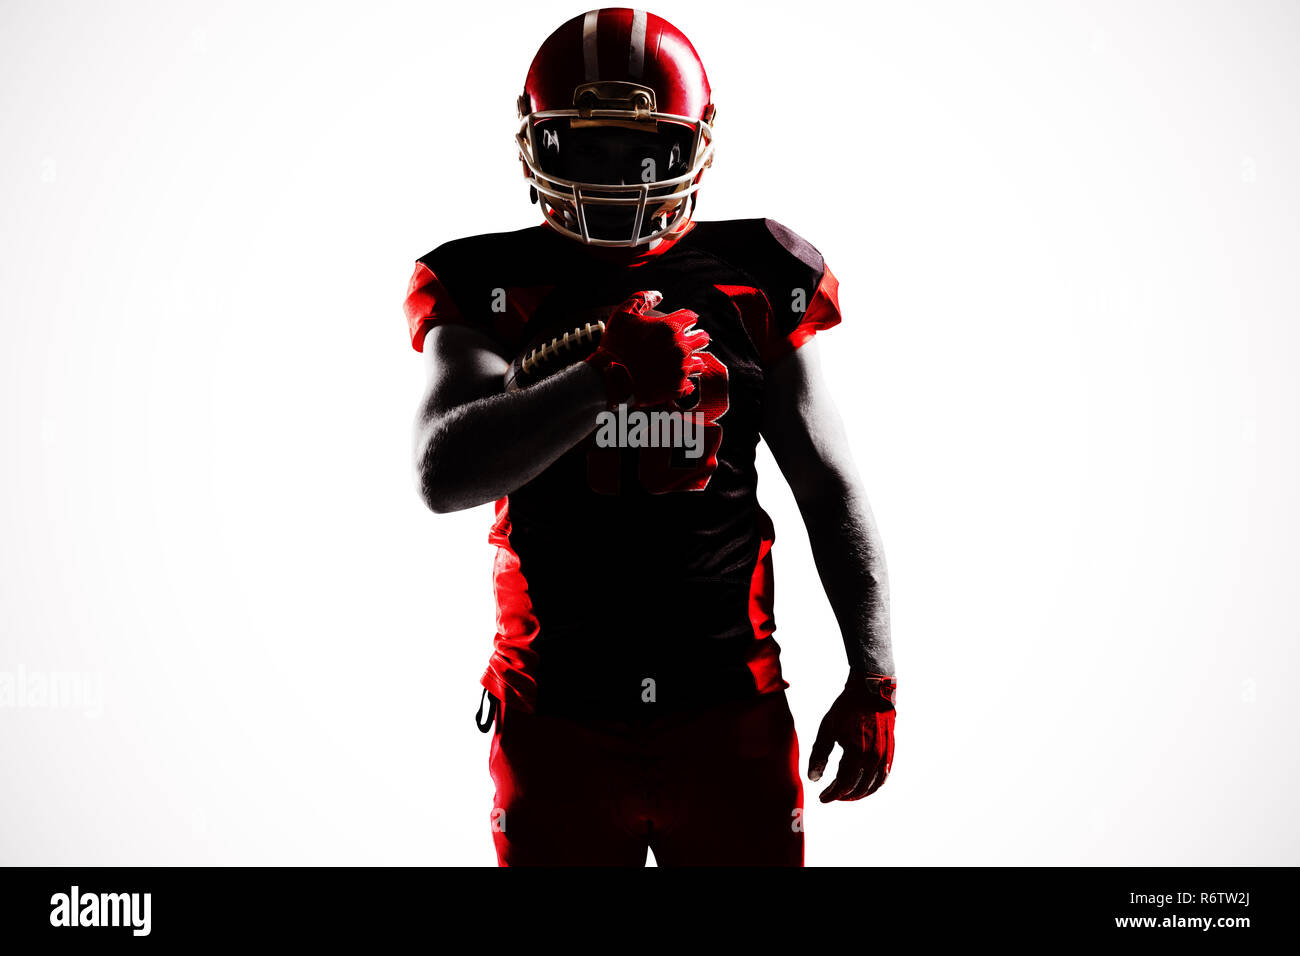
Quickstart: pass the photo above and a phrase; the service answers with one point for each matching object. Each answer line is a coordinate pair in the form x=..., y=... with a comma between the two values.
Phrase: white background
x=1067, y=237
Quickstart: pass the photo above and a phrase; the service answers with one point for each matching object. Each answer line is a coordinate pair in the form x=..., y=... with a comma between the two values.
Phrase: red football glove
x=647, y=359
x=861, y=721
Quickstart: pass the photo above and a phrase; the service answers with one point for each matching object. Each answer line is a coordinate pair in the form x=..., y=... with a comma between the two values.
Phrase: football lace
x=561, y=345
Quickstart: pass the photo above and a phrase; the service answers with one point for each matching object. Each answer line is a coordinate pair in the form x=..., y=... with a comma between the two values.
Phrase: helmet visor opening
x=613, y=155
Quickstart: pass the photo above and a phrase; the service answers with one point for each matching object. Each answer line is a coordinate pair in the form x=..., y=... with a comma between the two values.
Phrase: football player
x=635, y=687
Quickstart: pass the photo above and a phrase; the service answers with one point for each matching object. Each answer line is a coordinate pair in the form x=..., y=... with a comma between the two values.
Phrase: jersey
x=626, y=576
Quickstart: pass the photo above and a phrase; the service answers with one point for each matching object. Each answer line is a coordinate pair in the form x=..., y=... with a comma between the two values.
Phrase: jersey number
x=664, y=469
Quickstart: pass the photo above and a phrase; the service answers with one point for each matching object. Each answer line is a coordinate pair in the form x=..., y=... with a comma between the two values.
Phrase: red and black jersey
x=618, y=566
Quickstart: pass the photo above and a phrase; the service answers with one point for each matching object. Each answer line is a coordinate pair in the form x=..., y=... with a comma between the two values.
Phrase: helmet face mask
x=615, y=182
x=609, y=167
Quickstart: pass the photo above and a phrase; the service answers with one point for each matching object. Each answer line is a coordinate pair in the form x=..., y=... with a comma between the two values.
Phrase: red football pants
x=720, y=787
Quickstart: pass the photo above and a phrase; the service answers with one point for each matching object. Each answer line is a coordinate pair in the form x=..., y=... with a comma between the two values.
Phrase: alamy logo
x=638, y=429
x=102, y=909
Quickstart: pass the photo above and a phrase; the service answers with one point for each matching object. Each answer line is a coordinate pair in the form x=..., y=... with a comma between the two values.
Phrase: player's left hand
x=861, y=721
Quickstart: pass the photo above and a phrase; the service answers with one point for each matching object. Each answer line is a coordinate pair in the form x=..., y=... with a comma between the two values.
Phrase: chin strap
x=484, y=723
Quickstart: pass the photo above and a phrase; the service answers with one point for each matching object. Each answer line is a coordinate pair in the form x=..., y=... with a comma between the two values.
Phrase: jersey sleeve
x=802, y=291
x=428, y=303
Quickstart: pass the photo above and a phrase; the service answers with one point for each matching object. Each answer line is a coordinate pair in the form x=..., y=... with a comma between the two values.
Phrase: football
x=552, y=353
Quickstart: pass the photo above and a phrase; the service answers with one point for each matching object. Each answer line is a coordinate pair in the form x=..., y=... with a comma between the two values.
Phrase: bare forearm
x=850, y=560
x=484, y=449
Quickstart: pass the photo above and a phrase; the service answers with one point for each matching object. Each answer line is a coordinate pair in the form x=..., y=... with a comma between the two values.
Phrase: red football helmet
x=615, y=127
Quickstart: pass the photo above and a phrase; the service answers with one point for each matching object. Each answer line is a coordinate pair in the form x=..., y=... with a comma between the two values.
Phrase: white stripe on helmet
x=589, y=62
x=636, y=56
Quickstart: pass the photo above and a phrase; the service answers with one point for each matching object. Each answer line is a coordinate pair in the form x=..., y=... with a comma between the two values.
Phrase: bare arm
x=475, y=442
x=804, y=431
